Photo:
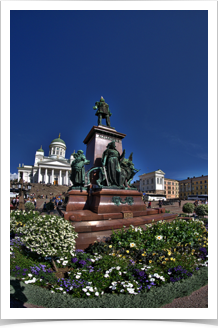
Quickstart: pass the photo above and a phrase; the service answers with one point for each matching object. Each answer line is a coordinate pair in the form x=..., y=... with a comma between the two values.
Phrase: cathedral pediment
x=54, y=163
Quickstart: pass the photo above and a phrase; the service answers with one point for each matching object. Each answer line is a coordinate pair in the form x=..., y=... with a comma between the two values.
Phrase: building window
x=151, y=180
x=205, y=187
x=143, y=182
x=148, y=181
x=200, y=181
x=173, y=183
x=205, y=181
x=147, y=187
x=157, y=180
x=196, y=182
x=201, y=187
x=161, y=180
x=169, y=183
x=165, y=182
x=173, y=192
x=196, y=188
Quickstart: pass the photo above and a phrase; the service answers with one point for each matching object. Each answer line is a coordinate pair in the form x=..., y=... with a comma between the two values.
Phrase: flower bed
x=134, y=263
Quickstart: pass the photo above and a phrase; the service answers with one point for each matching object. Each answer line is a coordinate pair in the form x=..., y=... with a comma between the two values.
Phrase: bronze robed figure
x=116, y=171
x=78, y=169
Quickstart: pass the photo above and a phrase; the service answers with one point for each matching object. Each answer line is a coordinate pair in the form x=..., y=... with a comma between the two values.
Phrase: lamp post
x=23, y=188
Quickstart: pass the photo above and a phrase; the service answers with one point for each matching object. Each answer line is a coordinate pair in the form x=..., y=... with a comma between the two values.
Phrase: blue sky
x=150, y=66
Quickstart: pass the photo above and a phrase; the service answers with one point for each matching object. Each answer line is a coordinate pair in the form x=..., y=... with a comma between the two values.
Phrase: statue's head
x=102, y=99
x=80, y=152
x=111, y=145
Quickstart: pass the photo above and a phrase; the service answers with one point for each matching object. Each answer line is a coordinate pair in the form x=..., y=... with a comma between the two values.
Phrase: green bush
x=201, y=210
x=19, y=218
x=188, y=208
x=29, y=206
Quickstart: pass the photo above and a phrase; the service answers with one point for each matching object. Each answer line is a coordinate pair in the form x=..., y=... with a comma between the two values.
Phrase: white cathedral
x=54, y=168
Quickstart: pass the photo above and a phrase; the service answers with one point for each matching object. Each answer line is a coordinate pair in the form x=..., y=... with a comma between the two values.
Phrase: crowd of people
x=56, y=200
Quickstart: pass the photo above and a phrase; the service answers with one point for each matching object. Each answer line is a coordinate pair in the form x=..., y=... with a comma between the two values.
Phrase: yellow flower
x=150, y=261
x=127, y=251
x=172, y=259
x=174, y=249
x=169, y=253
x=154, y=254
x=143, y=254
x=113, y=254
x=110, y=246
x=166, y=259
x=120, y=255
x=124, y=257
x=164, y=262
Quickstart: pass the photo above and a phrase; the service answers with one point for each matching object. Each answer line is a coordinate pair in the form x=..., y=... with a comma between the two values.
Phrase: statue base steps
x=95, y=215
x=89, y=232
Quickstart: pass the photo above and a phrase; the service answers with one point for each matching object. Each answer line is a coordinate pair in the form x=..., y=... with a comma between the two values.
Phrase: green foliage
x=188, y=208
x=156, y=298
x=158, y=236
x=29, y=206
x=201, y=210
x=111, y=267
x=19, y=219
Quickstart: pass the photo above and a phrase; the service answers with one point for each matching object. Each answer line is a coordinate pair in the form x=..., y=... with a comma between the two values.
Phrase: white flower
x=118, y=268
x=120, y=273
x=132, y=245
x=52, y=291
x=88, y=294
x=159, y=237
x=122, y=290
x=30, y=275
x=152, y=279
x=96, y=294
x=106, y=275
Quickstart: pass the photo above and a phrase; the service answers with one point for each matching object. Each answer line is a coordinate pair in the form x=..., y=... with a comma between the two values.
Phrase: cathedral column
x=66, y=178
x=60, y=178
x=39, y=175
x=46, y=175
x=52, y=176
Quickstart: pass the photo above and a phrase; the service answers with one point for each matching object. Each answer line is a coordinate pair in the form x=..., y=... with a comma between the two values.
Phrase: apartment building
x=193, y=186
x=171, y=188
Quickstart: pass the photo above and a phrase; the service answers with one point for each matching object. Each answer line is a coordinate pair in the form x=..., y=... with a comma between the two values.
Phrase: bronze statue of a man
x=103, y=111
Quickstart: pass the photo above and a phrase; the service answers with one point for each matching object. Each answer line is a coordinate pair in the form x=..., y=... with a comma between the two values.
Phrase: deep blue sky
x=150, y=66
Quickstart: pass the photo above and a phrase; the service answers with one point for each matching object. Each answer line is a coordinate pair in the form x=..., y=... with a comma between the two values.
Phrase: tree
x=188, y=208
x=201, y=210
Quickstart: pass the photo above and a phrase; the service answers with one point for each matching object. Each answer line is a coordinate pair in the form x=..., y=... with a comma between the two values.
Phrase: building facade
x=171, y=188
x=193, y=186
x=152, y=182
x=54, y=168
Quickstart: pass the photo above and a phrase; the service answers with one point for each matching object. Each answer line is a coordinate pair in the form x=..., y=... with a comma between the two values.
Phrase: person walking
x=160, y=203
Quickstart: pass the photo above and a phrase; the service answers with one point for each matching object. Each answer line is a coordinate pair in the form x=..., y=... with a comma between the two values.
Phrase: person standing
x=180, y=203
x=160, y=203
